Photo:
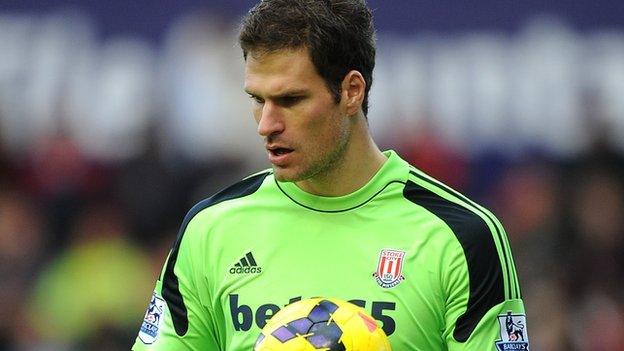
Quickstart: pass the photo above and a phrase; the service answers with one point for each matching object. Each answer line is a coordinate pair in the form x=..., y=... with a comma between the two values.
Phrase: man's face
x=305, y=131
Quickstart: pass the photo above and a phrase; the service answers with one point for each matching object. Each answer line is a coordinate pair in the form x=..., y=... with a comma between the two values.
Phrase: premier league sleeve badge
x=513, y=332
x=152, y=320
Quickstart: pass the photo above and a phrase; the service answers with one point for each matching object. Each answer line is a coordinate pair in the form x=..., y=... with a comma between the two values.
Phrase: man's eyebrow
x=294, y=92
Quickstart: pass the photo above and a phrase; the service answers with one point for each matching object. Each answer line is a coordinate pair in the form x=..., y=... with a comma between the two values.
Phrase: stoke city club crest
x=389, y=271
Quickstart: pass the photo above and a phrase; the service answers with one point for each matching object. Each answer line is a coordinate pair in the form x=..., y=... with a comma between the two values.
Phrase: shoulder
x=235, y=192
x=221, y=203
x=473, y=225
x=483, y=245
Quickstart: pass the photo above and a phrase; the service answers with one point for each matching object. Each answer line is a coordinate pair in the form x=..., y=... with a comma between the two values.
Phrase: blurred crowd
x=82, y=241
x=83, y=235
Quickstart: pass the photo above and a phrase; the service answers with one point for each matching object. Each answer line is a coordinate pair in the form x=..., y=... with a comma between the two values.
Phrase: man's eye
x=256, y=99
x=289, y=100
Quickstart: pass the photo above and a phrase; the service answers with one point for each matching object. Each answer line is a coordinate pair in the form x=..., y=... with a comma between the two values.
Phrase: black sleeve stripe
x=498, y=228
x=170, y=288
x=516, y=281
x=504, y=242
x=484, y=268
x=499, y=231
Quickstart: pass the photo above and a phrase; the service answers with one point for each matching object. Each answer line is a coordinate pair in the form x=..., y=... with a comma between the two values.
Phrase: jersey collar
x=394, y=170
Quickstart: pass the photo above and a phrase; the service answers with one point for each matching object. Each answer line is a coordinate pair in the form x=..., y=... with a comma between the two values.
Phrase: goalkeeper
x=334, y=216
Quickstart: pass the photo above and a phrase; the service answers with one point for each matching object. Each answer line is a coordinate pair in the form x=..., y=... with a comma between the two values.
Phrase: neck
x=359, y=163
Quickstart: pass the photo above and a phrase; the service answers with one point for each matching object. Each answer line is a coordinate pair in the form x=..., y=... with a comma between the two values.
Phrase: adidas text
x=243, y=270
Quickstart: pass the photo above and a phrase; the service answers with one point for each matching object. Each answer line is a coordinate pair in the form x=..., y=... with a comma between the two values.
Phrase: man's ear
x=353, y=90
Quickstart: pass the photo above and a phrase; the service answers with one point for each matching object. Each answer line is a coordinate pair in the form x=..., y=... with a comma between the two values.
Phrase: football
x=326, y=324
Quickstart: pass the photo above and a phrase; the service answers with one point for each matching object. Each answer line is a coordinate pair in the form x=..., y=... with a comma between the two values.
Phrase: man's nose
x=270, y=122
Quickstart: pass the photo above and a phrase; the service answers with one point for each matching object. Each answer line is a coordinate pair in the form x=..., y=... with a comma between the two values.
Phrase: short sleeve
x=478, y=316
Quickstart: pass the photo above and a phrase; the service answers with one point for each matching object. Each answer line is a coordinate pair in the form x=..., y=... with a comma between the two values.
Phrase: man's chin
x=283, y=174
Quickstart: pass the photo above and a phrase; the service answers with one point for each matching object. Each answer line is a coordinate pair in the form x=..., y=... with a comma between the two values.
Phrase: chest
x=390, y=267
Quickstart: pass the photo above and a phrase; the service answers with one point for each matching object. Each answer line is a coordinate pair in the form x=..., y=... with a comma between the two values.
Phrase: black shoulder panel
x=484, y=267
x=170, y=288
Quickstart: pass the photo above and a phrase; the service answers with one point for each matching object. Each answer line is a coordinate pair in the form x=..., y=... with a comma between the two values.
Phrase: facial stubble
x=322, y=167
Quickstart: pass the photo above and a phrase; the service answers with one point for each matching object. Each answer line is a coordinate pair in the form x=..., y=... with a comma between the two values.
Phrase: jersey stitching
x=509, y=290
x=342, y=210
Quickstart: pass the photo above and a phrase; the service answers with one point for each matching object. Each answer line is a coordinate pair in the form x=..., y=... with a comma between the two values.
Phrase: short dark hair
x=339, y=35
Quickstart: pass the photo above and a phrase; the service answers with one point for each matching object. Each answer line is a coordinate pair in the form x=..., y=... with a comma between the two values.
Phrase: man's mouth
x=279, y=151
x=279, y=156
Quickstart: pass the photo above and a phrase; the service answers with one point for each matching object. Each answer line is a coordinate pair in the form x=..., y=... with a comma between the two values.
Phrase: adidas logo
x=246, y=264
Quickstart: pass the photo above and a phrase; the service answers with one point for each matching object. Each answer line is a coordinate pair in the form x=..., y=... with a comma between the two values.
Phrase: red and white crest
x=389, y=269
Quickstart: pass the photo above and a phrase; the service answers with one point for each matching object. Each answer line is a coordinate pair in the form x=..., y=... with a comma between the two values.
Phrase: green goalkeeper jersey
x=433, y=267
